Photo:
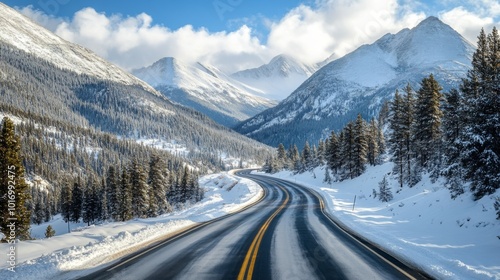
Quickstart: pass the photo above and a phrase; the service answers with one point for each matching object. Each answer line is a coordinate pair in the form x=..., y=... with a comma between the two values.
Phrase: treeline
x=124, y=193
x=346, y=154
x=455, y=134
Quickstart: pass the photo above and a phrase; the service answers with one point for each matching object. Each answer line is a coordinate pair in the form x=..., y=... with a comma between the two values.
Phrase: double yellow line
x=248, y=266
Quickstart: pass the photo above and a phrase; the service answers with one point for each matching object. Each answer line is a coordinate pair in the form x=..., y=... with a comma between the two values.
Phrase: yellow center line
x=251, y=256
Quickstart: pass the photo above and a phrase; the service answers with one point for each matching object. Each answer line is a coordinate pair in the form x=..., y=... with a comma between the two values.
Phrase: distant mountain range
x=227, y=99
x=204, y=88
x=361, y=81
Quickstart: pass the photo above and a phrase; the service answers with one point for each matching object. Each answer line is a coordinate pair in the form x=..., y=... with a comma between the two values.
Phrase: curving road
x=286, y=235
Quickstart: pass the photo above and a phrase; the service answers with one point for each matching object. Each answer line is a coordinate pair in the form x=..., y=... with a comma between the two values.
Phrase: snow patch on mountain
x=277, y=79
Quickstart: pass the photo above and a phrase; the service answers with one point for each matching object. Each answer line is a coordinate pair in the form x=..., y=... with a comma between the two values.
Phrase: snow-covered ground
x=86, y=247
x=449, y=239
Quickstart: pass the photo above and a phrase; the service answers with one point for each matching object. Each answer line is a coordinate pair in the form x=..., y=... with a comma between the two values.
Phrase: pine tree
x=397, y=137
x=294, y=157
x=328, y=177
x=184, y=185
x=452, y=128
x=333, y=153
x=306, y=158
x=158, y=186
x=14, y=191
x=282, y=158
x=373, y=151
x=427, y=127
x=408, y=121
x=125, y=197
x=360, y=146
x=49, y=232
x=77, y=203
x=103, y=195
x=348, y=151
x=113, y=185
x=91, y=201
x=385, y=194
x=140, y=200
x=67, y=201
x=480, y=137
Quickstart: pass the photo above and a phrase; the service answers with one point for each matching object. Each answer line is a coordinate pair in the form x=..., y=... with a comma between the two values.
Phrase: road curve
x=287, y=235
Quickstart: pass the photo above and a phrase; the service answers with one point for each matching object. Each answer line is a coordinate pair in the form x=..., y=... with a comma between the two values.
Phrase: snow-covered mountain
x=360, y=81
x=46, y=78
x=204, y=88
x=277, y=79
x=30, y=37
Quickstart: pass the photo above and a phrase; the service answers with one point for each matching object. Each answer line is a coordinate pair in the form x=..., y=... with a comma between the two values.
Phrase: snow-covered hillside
x=449, y=239
x=277, y=79
x=204, y=88
x=360, y=81
x=30, y=37
x=86, y=247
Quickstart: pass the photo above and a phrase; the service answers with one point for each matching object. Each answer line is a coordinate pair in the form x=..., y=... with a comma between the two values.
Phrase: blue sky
x=239, y=34
x=215, y=15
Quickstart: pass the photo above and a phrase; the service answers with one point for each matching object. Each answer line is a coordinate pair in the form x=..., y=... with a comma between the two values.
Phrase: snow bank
x=449, y=239
x=69, y=255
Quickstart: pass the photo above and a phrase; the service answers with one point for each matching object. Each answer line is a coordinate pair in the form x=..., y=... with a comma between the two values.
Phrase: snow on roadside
x=75, y=254
x=449, y=239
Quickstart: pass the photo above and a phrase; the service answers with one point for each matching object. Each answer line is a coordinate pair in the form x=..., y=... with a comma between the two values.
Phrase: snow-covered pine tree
x=407, y=123
x=373, y=151
x=12, y=170
x=333, y=153
x=306, y=159
x=385, y=194
x=480, y=137
x=49, y=232
x=360, y=146
x=348, y=151
x=453, y=121
x=328, y=177
x=397, y=136
x=158, y=186
x=138, y=179
x=294, y=157
x=282, y=157
x=427, y=126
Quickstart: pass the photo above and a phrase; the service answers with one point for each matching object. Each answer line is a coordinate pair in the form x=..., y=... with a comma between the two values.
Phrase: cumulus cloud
x=309, y=33
x=469, y=23
x=338, y=26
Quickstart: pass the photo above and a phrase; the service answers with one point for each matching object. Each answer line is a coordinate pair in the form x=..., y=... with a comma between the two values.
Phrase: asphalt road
x=287, y=235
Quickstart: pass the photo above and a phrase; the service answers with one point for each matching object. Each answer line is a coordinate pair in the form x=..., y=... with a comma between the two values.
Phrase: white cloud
x=469, y=19
x=338, y=26
x=310, y=33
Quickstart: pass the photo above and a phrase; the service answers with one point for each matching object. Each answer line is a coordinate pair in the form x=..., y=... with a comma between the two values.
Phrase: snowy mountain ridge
x=362, y=80
x=277, y=79
x=204, y=88
x=26, y=35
